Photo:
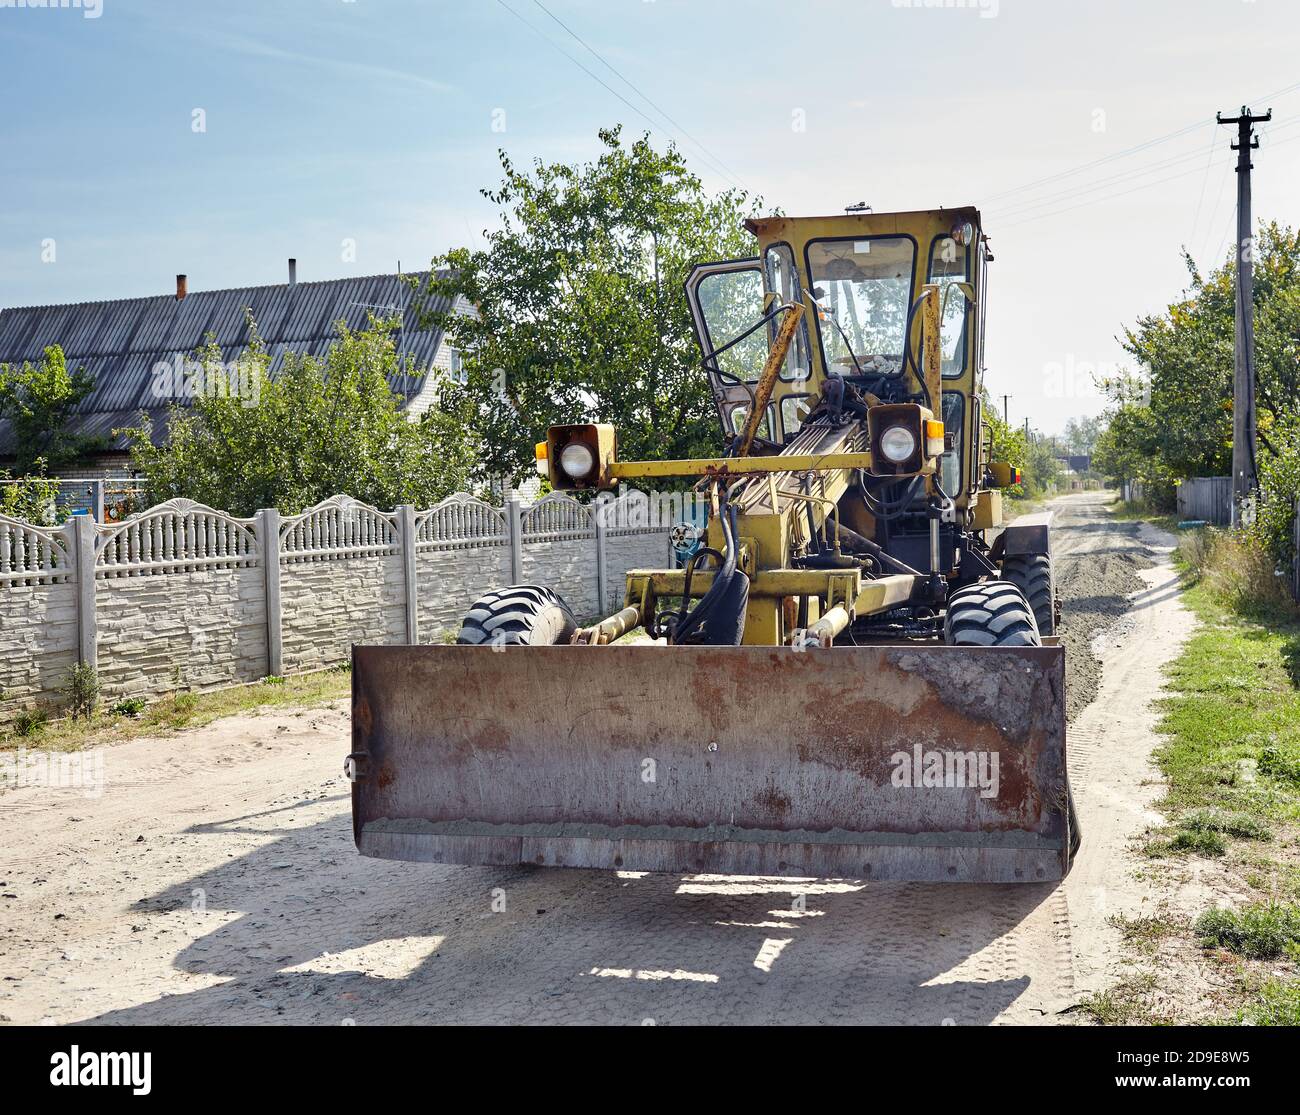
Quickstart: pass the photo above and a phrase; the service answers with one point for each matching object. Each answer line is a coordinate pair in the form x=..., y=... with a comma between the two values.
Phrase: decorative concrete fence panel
x=38, y=613
x=462, y=552
x=185, y=597
x=179, y=601
x=558, y=539
x=342, y=581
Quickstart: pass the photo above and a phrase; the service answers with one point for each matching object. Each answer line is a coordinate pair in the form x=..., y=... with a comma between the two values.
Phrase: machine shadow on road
x=304, y=930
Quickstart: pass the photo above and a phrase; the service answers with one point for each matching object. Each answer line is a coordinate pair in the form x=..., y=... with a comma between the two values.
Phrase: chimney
x=293, y=272
x=181, y=288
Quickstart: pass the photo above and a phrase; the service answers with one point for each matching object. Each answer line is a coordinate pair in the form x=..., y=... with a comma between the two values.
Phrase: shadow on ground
x=303, y=930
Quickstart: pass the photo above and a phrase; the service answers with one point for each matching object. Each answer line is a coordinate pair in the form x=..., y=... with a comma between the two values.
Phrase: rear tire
x=990, y=614
x=1032, y=574
x=519, y=616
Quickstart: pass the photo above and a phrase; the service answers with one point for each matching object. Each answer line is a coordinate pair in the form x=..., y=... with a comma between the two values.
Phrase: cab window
x=950, y=265
x=863, y=291
x=782, y=279
x=731, y=302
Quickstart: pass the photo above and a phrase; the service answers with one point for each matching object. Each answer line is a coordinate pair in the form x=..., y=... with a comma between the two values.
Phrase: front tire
x=990, y=614
x=1032, y=574
x=519, y=616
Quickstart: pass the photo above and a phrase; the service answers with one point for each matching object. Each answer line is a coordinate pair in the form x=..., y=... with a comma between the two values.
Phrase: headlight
x=898, y=444
x=577, y=460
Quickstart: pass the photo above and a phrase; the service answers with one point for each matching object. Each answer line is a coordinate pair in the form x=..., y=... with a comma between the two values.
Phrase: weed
x=29, y=722
x=82, y=690
x=1262, y=931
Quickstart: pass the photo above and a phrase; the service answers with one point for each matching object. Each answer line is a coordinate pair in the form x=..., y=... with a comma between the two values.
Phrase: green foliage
x=580, y=313
x=29, y=722
x=128, y=706
x=82, y=690
x=31, y=498
x=38, y=399
x=1262, y=931
x=1081, y=434
x=1034, y=458
x=322, y=427
x=1176, y=421
x=1277, y=1004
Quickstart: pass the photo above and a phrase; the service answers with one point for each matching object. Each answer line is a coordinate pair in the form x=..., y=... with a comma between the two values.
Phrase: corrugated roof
x=119, y=342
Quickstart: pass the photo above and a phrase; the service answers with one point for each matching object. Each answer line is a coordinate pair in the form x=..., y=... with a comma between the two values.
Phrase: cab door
x=726, y=300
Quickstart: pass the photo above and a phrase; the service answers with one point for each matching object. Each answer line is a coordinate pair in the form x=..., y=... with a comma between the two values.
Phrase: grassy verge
x=1129, y=511
x=1231, y=763
x=179, y=711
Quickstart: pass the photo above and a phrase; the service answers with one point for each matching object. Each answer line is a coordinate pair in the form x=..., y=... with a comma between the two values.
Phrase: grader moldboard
x=849, y=678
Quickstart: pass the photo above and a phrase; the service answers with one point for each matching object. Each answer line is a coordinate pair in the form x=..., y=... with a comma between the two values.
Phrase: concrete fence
x=1206, y=497
x=185, y=597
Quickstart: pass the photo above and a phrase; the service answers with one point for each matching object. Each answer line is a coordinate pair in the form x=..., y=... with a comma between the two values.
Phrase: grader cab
x=849, y=675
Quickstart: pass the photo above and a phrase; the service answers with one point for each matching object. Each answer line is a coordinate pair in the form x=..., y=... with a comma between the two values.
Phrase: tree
x=39, y=400
x=579, y=308
x=320, y=428
x=1177, y=421
x=1081, y=435
x=31, y=498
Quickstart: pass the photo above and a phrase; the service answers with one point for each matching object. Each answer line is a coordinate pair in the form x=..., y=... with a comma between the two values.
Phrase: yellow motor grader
x=854, y=673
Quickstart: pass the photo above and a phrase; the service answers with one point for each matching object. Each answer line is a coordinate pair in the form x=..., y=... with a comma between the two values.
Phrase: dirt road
x=215, y=881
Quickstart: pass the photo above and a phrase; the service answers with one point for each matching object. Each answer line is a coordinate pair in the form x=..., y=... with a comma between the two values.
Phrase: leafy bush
x=128, y=706
x=1238, y=570
x=82, y=691
x=38, y=400
x=31, y=498
x=323, y=426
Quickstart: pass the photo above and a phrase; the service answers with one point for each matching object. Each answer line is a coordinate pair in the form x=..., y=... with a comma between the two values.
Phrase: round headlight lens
x=577, y=460
x=897, y=443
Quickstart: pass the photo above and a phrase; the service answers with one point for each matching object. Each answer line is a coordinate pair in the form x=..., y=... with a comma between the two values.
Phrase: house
x=128, y=344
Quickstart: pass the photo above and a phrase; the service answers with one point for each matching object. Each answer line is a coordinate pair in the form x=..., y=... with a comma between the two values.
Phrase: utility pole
x=1027, y=435
x=1244, y=477
x=1005, y=411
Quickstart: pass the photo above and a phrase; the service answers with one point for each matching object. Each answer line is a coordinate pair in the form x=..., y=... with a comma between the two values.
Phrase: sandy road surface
x=215, y=881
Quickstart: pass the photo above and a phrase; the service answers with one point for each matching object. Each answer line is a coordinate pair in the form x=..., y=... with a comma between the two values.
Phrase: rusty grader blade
x=929, y=763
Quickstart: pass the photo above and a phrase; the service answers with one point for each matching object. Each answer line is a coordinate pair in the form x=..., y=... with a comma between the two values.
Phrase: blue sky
x=377, y=121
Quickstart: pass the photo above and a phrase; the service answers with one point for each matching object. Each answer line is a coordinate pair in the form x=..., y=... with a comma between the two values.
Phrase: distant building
x=128, y=345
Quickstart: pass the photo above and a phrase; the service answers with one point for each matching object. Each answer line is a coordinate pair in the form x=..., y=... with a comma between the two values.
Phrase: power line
x=1101, y=183
x=600, y=58
x=1135, y=189
x=1205, y=181
x=1283, y=92
x=600, y=81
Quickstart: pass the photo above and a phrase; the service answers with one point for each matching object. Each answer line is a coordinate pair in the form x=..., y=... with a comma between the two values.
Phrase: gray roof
x=120, y=342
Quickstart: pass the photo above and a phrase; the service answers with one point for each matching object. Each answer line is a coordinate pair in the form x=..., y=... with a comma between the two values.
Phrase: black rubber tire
x=990, y=614
x=519, y=616
x=1032, y=573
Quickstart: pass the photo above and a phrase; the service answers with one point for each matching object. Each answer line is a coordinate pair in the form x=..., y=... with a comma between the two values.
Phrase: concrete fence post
x=406, y=516
x=97, y=499
x=602, y=570
x=268, y=540
x=81, y=530
x=515, y=536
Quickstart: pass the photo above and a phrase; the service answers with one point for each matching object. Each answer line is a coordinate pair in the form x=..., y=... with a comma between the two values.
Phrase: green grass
x=1277, y=1003
x=1134, y=512
x=1260, y=931
x=1230, y=757
x=1232, y=724
x=179, y=711
x=1128, y=1003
